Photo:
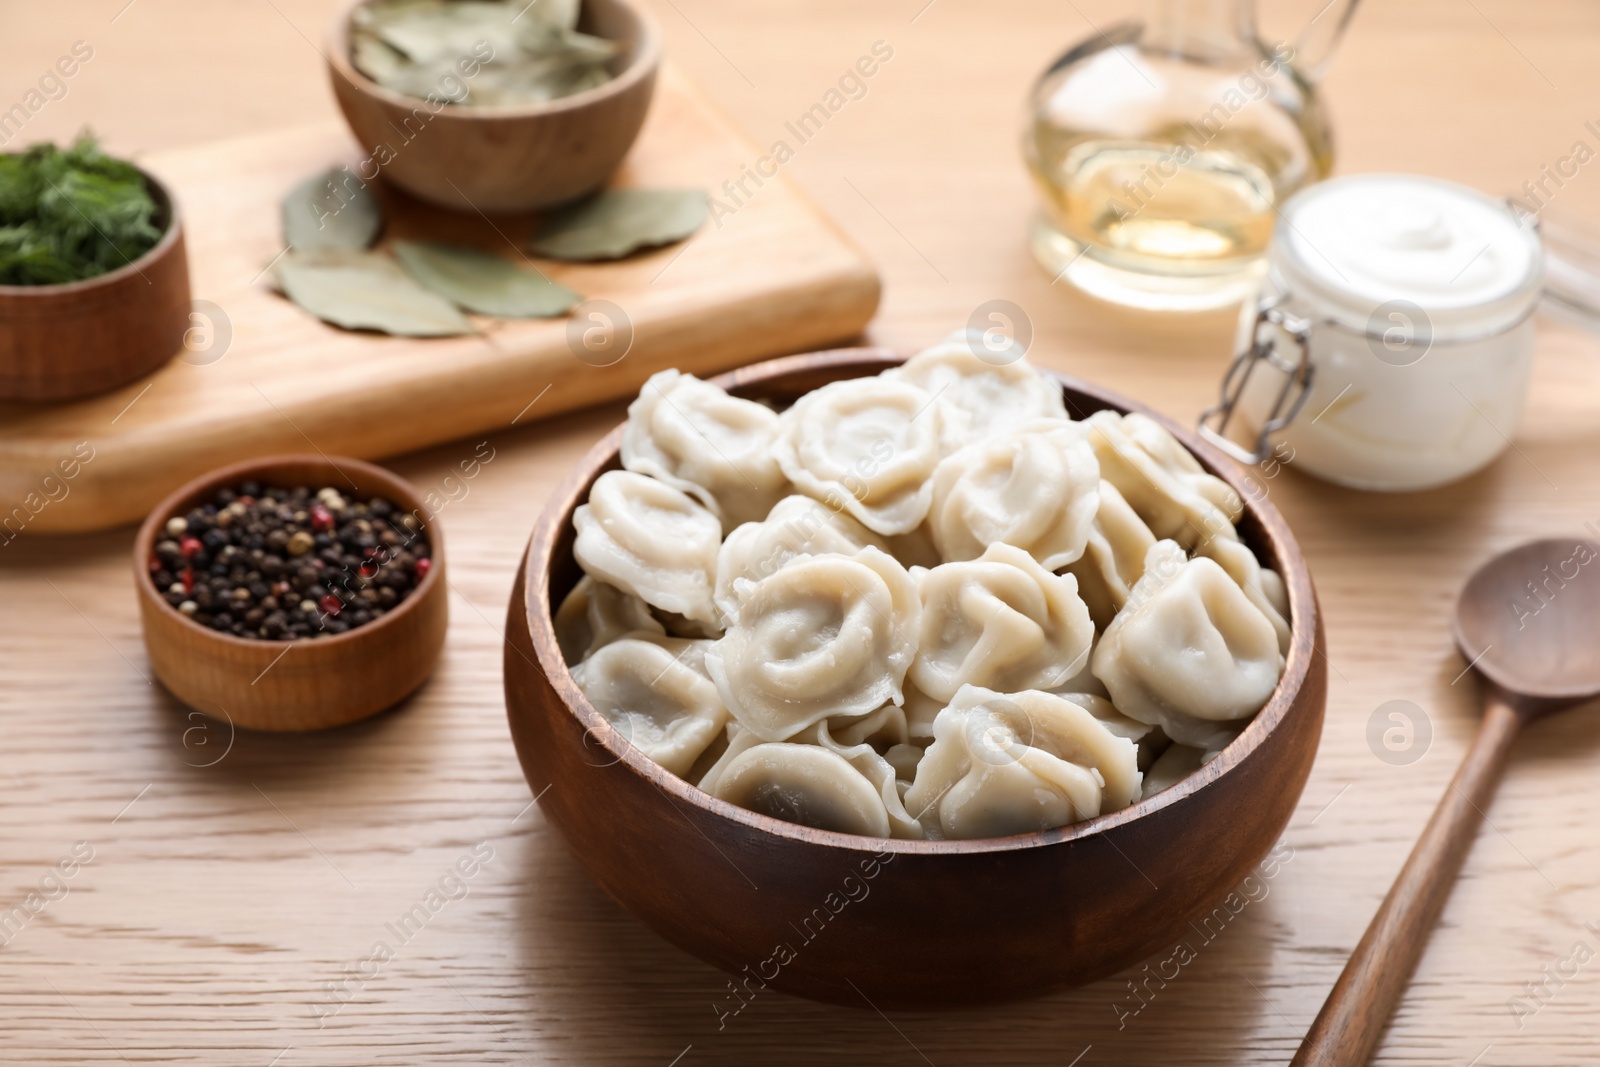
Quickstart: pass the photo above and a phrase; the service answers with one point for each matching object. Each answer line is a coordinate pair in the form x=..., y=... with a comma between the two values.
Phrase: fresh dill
x=70, y=214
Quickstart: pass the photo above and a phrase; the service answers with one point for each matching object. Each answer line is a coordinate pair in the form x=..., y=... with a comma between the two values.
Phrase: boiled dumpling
x=1011, y=763
x=867, y=446
x=1168, y=451
x=796, y=526
x=872, y=766
x=804, y=784
x=992, y=396
x=1108, y=715
x=822, y=636
x=595, y=614
x=1190, y=652
x=739, y=740
x=655, y=694
x=882, y=729
x=1243, y=567
x=715, y=447
x=1276, y=592
x=1152, y=740
x=1113, y=558
x=1036, y=487
x=651, y=540
x=1177, y=762
x=921, y=710
x=1002, y=622
x=683, y=626
x=1084, y=681
x=1160, y=480
x=1170, y=768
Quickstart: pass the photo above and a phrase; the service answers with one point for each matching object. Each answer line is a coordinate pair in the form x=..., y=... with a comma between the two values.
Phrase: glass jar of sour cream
x=1392, y=339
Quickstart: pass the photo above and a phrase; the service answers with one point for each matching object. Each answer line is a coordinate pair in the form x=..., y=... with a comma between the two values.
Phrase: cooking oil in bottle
x=1161, y=161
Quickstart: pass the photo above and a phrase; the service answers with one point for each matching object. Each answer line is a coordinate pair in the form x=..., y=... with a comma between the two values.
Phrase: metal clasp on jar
x=1271, y=320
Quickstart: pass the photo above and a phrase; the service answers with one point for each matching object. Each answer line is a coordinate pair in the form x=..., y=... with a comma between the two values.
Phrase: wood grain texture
x=775, y=277
x=209, y=923
x=732, y=886
x=305, y=684
x=1351, y=1023
x=506, y=159
x=62, y=342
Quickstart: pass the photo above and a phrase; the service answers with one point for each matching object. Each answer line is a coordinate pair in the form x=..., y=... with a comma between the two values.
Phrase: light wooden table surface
x=224, y=900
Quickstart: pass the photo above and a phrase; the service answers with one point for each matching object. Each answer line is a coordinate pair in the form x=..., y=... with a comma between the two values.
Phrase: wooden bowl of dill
x=94, y=279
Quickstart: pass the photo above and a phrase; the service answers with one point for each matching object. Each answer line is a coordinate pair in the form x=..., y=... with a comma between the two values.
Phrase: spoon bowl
x=1528, y=621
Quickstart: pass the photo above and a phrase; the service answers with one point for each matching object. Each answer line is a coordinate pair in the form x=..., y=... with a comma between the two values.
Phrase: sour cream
x=1418, y=295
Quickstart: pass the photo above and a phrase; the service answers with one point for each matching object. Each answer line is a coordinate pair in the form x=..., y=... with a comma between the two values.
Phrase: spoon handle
x=1352, y=1019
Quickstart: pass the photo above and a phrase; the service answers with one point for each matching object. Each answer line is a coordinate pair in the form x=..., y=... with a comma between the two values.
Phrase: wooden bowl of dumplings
x=910, y=924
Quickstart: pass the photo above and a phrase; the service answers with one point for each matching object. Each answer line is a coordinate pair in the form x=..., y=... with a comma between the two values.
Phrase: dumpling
x=867, y=446
x=804, y=784
x=1113, y=558
x=1108, y=715
x=739, y=740
x=1170, y=768
x=993, y=396
x=1276, y=592
x=1036, y=487
x=715, y=447
x=1152, y=741
x=874, y=768
x=1011, y=763
x=882, y=729
x=1002, y=622
x=1190, y=653
x=595, y=614
x=1243, y=567
x=823, y=636
x=921, y=709
x=683, y=626
x=1160, y=480
x=904, y=759
x=655, y=694
x=651, y=540
x=796, y=526
x=1084, y=681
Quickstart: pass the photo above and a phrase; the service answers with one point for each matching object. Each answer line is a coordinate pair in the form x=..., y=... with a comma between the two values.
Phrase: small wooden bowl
x=504, y=158
x=307, y=684
x=62, y=342
x=902, y=924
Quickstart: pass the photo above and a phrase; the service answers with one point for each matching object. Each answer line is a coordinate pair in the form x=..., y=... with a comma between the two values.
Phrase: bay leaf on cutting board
x=366, y=291
x=485, y=283
x=615, y=222
x=331, y=209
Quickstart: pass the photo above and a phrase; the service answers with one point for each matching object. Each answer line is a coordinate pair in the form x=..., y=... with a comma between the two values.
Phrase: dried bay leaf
x=445, y=31
x=331, y=209
x=615, y=222
x=482, y=282
x=487, y=53
x=366, y=291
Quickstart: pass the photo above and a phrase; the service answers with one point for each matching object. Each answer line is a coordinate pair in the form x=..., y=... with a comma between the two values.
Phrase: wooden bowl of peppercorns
x=293, y=592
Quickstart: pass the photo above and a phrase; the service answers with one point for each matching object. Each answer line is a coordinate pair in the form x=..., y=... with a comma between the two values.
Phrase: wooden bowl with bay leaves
x=308, y=683
x=894, y=923
x=504, y=159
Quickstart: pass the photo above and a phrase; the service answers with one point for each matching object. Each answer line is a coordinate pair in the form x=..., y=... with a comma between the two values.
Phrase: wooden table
x=224, y=901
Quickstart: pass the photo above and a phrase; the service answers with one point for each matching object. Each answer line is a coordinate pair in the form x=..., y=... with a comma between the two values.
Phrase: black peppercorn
x=288, y=563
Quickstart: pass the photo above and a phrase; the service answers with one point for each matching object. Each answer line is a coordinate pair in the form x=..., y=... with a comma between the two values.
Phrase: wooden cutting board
x=772, y=277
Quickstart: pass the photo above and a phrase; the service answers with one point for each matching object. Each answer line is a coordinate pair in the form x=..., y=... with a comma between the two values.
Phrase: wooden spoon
x=1529, y=622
